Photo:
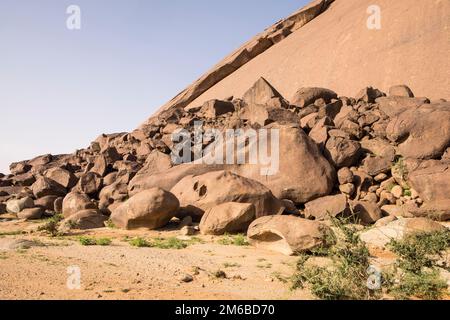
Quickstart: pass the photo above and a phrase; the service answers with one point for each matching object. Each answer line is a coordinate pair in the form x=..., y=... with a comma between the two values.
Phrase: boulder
x=398, y=229
x=18, y=205
x=306, y=96
x=63, y=177
x=438, y=210
x=230, y=217
x=369, y=95
x=47, y=187
x=325, y=207
x=262, y=93
x=90, y=183
x=75, y=202
x=422, y=133
x=85, y=220
x=393, y=106
x=287, y=234
x=431, y=180
x=150, y=209
x=215, y=108
x=401, y=91
x=264, y=115
x=31, y=213
x=100, y=166
x=198, y=194
x=24, y=179
x=342, y=152
x=345, y=175
x=47, y=202
x=19, y=168
x=303, y=173
x=367, y=212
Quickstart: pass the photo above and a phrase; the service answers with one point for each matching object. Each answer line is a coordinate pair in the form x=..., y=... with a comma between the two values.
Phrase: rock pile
x=371, y=156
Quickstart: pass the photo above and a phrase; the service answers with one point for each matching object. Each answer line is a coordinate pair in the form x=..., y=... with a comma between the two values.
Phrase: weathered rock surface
x=150, y=209
x=197, y=194
x=330, y=206
x=287, y=234
x=381, y=236
x=75, y=202
x=18, y=205
x=230, y=217
x=84, y=220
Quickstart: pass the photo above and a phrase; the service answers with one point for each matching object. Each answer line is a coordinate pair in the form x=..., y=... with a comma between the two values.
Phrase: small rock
x=345, y=175
x=188, y=231
x=187, y=278
x=381, y=177
x=348, y=188
x=397, y=191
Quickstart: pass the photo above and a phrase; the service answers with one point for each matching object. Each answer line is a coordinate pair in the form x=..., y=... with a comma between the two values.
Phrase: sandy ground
x=120, y=271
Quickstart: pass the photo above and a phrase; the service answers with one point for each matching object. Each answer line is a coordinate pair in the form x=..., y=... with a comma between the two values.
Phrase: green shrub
x=86, y=241
x=236, y=240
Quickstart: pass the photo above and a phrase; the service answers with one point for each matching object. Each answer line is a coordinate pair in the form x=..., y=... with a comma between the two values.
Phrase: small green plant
x=10, y=233
x=347, y=277
x=235, y=240
x=104, y=242
x=400, y=168
x=231, y=265
x=163, y=243
x=407, y=193
x=51, y=225
x=170, y=243
x=416, y=271
x=110, y=224
x=86, y=241
x=139, y=242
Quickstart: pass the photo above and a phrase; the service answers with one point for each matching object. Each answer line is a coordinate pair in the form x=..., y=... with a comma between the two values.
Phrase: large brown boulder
x=150, y=209
x=47, y=187
x=200, y=193
x=262, y=93
x=342, y=152
x=75, y=202
x=395, y=105
x=423, y=132
x=62, y=176
x=306, y=96
x=215, y=108
x=287, y=234
x=330, y=206
x=17, y=205
x=31, y=213
x=230, y=217
x=85, y=220
x=303, y=173
x=264, y=115
x=431, y=180
x=90, y=183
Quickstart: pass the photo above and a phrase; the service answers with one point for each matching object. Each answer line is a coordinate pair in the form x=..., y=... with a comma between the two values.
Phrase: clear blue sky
x=60, y=89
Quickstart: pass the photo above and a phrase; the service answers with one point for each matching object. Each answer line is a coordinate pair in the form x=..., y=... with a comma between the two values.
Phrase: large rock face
x=150, y=209
x=247, y=52
x=414, y=51
x=200, y=193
